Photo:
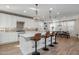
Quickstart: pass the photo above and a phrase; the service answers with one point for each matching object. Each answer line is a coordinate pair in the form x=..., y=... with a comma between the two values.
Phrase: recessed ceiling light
x=24, y=11
x=34, y=9
x=50, y=8
x=7, y=6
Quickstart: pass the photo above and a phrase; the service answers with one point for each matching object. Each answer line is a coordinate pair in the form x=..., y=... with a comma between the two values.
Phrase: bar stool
x=51, y=44
x=36, y=38
x=55, y=38
x=46, y=36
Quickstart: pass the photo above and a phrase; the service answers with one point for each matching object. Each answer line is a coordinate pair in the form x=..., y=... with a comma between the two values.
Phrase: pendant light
x=50, y=17
x=50, y=11
x=36, y=12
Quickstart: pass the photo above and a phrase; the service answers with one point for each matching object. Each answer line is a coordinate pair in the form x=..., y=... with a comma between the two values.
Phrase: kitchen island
x=27, y=45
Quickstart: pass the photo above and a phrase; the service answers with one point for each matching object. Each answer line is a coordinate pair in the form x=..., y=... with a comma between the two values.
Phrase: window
x=64, y=26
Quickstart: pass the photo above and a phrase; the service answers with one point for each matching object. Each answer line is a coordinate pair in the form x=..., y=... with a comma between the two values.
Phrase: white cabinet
x=8, y=37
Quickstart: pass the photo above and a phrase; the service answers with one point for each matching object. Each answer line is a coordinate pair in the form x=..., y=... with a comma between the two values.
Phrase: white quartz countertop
x=30, y=34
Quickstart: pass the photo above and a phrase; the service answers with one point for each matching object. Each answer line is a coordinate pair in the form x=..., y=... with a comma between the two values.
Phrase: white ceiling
x=64, y=10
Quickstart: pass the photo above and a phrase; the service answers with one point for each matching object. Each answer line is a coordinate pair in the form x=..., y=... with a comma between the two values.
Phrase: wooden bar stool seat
x=36, y=38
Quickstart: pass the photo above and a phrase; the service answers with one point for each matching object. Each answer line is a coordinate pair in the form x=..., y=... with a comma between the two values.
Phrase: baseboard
x=8, y=42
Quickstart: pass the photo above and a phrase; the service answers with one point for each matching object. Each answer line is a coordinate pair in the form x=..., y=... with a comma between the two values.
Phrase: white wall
x=71, y=26
x=77, y=25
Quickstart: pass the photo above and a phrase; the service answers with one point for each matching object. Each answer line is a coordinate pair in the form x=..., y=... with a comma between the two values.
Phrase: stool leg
x=36, y=52
x=45, y=43
x=35, y=46
x=55, y=40
x=45, y=48
x=51, y=45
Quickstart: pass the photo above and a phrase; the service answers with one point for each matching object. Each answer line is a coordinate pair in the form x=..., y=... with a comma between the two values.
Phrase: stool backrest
x=47, y=34
x=37, y=37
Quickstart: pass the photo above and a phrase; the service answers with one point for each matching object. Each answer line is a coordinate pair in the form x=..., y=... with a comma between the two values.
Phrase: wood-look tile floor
x=64, y=47
x=10, y=49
